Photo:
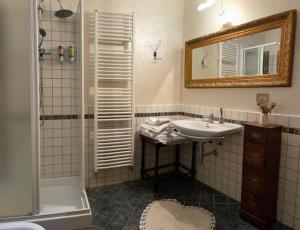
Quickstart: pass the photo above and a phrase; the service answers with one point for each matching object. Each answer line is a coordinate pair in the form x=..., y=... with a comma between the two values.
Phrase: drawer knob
x=254, y=179
x=255, y=136
x=253, y=204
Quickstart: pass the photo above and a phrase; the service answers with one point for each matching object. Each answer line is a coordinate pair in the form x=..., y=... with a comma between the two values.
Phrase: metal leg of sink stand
x=193, y=171
x=202, y=154
x=177, y=158
x=156, y=182
x=143, y=160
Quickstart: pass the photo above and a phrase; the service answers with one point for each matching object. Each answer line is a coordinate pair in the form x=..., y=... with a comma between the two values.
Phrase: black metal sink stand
x=158, y=145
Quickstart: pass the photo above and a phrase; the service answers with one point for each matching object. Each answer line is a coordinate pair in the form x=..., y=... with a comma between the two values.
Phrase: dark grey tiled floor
x=120, y=206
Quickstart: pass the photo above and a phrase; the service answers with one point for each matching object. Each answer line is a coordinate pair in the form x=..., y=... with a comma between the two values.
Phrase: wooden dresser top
x=268, y=126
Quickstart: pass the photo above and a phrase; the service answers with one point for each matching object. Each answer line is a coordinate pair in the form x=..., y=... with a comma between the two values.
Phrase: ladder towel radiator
x=113, y=90
x=228, y=59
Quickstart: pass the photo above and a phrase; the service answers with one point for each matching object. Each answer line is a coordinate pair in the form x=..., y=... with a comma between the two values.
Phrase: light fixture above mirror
x=206, y=4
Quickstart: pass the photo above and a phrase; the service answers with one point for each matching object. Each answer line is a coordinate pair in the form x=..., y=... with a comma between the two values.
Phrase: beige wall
x=155, y=83
x=239, y=11
x=166, y=20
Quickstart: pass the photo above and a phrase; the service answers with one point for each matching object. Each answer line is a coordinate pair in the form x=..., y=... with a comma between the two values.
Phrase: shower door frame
x=35, y=112
x=82, y=147
x=36, y=99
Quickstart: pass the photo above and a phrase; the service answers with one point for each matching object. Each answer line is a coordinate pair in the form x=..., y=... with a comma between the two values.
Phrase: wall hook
x=155, y=53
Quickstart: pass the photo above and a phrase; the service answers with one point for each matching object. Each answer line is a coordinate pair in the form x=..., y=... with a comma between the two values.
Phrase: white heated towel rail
x=113, y=85
x=228, y=59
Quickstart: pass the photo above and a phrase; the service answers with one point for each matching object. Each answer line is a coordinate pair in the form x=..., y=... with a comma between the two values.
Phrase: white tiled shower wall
x=223, y=172
x=60, y=136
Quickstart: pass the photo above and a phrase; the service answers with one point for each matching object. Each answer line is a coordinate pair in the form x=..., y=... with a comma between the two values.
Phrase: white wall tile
x=293, y=140
x=294, y=121
x=283, y=121
x=252, y=117
x=293, y=151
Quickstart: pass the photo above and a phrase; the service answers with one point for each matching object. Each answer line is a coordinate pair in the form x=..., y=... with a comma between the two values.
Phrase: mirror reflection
x=251, y=55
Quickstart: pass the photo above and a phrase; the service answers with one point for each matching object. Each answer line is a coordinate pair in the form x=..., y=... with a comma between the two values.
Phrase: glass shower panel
x=17, y=131
x=79, y=88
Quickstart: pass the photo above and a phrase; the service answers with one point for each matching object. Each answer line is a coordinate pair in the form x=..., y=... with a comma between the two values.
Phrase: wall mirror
x=254, y=54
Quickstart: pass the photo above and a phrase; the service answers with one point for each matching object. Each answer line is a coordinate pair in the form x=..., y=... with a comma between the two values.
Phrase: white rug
x=171, y=215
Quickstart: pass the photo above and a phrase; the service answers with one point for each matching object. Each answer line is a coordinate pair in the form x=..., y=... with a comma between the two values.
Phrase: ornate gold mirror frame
x=285, y=21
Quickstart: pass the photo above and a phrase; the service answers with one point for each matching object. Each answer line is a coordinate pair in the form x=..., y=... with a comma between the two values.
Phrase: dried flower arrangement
x=264, y=106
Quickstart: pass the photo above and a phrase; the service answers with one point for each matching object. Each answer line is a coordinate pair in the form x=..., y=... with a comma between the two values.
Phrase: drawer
x=255, y=135
x=254, y=155
x=252, y=204
x=253, y=181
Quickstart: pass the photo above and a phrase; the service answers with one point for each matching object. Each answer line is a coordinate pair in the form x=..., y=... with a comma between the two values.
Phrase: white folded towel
x=152, y=135
x=173, y=140
x=156, y=120
x=166, y=137
x=155, y=128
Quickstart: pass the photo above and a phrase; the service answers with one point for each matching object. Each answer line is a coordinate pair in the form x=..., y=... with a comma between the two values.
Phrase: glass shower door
x=18, y=113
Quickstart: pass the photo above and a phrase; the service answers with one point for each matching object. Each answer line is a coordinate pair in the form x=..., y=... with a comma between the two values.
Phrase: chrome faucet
x=211, y=118
x=221, y=121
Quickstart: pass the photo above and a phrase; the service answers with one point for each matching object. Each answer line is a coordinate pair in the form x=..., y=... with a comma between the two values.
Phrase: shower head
x=63, y=13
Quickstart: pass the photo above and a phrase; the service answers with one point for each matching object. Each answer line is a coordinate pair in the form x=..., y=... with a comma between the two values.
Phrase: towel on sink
x=153, y=135
x=161, y=131
x=155, y=128
x=156, y=121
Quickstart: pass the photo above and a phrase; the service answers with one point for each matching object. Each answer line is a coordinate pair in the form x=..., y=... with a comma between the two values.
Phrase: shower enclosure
x=41, y=120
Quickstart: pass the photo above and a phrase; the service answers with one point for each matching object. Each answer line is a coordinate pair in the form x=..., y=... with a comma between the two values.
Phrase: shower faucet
x=42, y=53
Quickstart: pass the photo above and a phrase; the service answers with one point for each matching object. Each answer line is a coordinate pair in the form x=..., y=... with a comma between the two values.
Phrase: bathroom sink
x=200, y=128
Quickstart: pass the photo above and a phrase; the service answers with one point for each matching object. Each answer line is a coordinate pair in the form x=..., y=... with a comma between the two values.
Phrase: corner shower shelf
x=113, y=81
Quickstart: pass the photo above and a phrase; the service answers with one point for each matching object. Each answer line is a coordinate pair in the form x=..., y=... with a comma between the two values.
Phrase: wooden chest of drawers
x=261, y=161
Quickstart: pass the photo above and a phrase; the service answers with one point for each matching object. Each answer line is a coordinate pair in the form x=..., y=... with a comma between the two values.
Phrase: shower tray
x=60, y=195
x=64, y=204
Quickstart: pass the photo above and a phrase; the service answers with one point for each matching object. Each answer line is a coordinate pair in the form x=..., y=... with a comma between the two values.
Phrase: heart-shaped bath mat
x=172, y=215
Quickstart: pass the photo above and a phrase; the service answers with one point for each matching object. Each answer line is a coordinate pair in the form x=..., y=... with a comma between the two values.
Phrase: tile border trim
x=289, y=130
x=295, y=131
x=59, y=117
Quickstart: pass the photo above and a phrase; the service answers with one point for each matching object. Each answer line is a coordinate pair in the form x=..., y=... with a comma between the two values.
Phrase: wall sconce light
x=208, y=3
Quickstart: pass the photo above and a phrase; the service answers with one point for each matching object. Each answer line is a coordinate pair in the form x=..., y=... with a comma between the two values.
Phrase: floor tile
x=100, y=221
x=121, y=206
x=223, y=218
x=224, y=227
x=206, y=198
x=220, y=199
x=131, y=227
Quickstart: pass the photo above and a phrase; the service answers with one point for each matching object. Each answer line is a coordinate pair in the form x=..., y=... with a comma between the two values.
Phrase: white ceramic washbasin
x=199, y=128
x=20, y=226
